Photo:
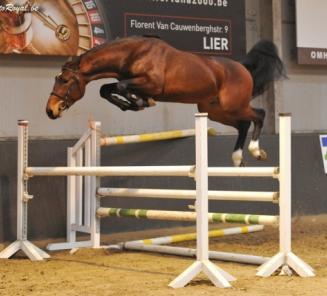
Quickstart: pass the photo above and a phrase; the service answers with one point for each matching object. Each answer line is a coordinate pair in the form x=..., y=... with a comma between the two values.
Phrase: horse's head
x=69, y=87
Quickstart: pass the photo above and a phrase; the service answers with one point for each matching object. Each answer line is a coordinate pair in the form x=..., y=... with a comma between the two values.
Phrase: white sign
x=311, y=35
x=323, y=144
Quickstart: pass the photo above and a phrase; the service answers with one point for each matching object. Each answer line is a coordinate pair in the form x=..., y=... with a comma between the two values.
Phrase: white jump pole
x=243, y=172
x=188, y=194
x=32, y=251
x=154, y=171
x=114, y=171
x=188, y=252
x=285, y=257
x=218, y=276
x=151, y=137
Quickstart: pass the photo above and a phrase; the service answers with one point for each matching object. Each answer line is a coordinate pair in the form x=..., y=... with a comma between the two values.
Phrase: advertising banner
x=311, y=34
x=71, y=27
x=323, y=145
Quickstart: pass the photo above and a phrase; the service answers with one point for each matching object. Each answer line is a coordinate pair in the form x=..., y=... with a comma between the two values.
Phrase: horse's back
x=191, y=75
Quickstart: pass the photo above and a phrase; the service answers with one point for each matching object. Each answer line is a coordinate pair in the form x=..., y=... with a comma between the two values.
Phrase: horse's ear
x=75, y=62
x=68, y=62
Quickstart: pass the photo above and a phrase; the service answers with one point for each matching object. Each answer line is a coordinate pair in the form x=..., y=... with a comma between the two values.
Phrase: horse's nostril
x=50, y=114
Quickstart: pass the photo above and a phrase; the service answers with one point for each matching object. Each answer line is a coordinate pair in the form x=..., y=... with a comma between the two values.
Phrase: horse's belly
x=188, y=90
x=180, y=97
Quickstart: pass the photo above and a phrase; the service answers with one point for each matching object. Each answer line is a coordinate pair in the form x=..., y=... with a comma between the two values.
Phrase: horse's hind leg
x=237, y=156
x=254, y=147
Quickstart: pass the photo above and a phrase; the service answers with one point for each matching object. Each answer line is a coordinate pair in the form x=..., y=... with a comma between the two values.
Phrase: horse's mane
x=74, y=62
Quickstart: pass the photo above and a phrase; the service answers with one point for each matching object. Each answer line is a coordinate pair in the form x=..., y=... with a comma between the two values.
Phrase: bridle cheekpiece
x=67, y=100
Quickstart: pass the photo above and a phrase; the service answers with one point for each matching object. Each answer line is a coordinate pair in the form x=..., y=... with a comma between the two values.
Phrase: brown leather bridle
x=76, y=83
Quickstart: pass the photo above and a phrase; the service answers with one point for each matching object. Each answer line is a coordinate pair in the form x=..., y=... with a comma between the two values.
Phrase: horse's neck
x=104, y=62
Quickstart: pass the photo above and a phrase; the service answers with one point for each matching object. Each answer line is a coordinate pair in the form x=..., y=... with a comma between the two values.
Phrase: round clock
x=63, y=27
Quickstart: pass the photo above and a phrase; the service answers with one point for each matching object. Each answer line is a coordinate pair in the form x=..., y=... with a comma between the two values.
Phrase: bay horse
x=148, y=70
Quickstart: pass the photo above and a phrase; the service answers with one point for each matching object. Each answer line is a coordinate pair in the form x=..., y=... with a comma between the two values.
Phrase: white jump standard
x=285, y=257
x=32, y=251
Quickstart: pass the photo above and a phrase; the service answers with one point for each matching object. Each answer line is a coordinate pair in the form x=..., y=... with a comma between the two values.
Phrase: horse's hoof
x=259, y=154
x=151, y=102
x=242, y=164
x=263, y=155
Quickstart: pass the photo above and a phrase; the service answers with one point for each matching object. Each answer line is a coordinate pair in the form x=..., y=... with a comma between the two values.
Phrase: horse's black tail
x=264, y=64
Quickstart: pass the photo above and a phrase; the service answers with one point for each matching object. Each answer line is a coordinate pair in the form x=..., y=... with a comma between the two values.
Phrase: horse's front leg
x=110, y=93
x=254, y=148
x=131, y=89
x=237, y=156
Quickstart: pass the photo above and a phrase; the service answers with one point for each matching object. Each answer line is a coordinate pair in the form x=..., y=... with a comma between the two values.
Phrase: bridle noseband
x=67, y=100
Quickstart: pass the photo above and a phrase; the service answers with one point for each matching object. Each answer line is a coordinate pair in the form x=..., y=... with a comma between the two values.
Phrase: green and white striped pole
x=187, y=216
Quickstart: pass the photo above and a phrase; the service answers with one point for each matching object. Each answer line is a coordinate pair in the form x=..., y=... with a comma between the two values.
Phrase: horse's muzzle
x=51, y=115
x=55, y=107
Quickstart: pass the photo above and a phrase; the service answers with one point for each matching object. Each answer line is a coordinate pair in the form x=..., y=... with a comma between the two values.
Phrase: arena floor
x=103, y=272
